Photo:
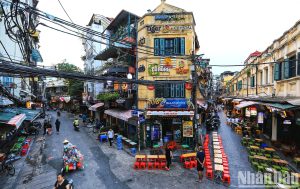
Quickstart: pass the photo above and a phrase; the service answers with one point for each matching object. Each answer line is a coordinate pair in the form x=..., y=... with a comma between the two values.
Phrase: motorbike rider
x=76, y=122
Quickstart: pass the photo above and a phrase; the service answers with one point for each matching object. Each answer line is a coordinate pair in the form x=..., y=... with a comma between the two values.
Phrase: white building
x=11, y=51
x=97, y=23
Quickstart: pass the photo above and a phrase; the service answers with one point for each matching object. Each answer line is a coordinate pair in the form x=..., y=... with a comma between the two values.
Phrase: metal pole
x=256, y=79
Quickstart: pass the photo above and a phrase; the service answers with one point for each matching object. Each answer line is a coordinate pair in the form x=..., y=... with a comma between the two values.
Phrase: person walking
x=200, y=162
x=45, y=127
x=57, y=124
x=110, y=136
x=169, y=156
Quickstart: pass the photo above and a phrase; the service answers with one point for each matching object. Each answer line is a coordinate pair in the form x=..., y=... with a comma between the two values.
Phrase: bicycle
x=8, y=167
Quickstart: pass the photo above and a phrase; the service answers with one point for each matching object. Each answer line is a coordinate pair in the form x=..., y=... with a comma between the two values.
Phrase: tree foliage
x=110, y=96
x=75, y=87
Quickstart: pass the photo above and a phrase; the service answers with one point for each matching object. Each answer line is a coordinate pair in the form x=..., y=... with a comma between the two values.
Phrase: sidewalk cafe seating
x=140, y=162
x=162, y=161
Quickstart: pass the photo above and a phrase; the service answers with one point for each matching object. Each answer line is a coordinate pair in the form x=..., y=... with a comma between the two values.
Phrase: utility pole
x=194, y=97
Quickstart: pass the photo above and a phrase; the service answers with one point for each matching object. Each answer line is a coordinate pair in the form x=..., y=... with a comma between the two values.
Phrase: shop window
x=240, y=85
x=169, y=46
x=169, y=90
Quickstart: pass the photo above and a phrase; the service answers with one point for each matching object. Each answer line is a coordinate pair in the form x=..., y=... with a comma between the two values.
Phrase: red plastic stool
x=209, y=173
x=162, y=165
x=225, y=168
x=137, y=165
x=226, y=178
x=156, y=165
x=150, y=165
x=187, y=164
x=143, y=165
x=193, y=163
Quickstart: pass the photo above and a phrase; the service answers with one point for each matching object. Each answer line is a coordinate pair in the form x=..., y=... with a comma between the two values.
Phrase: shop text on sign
x=156, y=70
x=170, y=113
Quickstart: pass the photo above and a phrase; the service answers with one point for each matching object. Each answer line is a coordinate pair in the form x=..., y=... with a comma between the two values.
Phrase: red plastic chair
x=150, y=164
x=156, y=165
x=187, y=164
x=226, y=178
x=137, y=165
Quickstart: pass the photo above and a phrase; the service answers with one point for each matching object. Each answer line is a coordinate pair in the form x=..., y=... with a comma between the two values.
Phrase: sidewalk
x=121, y=164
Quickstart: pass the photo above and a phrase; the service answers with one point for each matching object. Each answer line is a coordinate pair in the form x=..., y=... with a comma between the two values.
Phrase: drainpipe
x=256, y=79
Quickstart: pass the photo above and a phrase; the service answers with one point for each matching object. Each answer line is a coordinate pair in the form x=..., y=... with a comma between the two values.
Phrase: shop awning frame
x=120, y=114
x=95, y=106
x=246, y=104
x=17, y=120
x=280, y=106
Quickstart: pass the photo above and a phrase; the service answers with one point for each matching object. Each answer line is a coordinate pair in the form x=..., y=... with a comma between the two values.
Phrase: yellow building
x=168, y=36
x=272, y=79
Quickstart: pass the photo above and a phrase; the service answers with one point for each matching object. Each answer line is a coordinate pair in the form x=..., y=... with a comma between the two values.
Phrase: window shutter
x=172, y=90
x=182, y=46
x=162, y=47
x=298, y=63
x=276, y=72
x=286, y=69
x=176, y=50
x=156, y=46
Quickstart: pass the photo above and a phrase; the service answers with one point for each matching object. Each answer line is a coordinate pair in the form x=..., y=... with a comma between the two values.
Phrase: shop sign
x=168, y=28
x=260, y=118
x=150, y=87
x=120, y=101
x=142, y=41
x=153, y=29
x=170, y=113
x=169, y=17
x=287, y=122
x=156, y=70
x=168, y=103
x=253, y=111
x=181, y=69
x=187, y=128
x=247, y=112
x=141, y=68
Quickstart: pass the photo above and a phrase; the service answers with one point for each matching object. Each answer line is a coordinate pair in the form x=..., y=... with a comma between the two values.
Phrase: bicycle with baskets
x=7, y=166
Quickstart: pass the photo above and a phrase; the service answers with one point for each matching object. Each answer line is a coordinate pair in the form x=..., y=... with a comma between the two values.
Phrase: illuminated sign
x=169, y=17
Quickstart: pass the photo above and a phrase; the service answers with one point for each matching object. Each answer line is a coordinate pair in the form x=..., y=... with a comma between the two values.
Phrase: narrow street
x=97, y=173
x=237, y=154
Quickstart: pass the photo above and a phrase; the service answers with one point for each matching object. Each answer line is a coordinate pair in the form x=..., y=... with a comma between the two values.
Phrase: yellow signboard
x=187, y=129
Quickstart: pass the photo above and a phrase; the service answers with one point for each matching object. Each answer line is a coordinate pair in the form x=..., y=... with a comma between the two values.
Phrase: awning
x=245, y=104
x=5, y=101
x=295, y=102
x=31, y=115
x=17, y=120
x=120, y=114
x=95, y=106
x=170, y=113
x=237, y=100
x=280, y=106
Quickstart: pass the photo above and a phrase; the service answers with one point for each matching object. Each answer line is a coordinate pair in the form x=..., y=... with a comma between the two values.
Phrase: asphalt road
x=97, y=173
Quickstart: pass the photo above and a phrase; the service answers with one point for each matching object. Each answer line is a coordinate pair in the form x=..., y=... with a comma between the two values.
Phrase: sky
x=228, y=30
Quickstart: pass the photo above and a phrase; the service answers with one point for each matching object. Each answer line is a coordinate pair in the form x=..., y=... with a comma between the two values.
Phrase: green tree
x=75, y=87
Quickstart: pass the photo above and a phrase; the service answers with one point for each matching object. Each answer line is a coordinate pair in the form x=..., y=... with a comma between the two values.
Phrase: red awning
x=17, y=120
x=95, y=106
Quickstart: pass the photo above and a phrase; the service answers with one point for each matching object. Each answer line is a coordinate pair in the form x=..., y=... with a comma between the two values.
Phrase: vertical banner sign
x=187, y=128
x=260, y=118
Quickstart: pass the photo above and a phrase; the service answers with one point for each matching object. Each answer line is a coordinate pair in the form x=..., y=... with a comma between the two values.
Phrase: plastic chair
x=226, y=178
x=187, y=164
x=156, y=165
x=137, y=165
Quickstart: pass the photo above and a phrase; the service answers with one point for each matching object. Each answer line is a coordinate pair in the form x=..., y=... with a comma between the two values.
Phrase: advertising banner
x=187, y=129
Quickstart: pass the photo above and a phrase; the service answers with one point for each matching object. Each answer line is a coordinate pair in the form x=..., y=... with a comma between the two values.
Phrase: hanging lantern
x=151, y=87
x=188, y=86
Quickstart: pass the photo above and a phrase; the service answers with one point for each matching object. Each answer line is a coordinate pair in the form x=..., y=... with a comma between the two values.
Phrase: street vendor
x=67, y=144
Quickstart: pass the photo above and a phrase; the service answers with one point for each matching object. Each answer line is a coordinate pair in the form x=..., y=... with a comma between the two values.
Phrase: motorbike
x=76, y=127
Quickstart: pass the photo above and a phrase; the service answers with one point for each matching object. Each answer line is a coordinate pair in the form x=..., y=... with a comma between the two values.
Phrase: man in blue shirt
x=200, y=162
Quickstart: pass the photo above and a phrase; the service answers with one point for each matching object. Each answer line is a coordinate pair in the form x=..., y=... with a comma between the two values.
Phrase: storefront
x=169, y=120
x=97, y=111
x=122, y=122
